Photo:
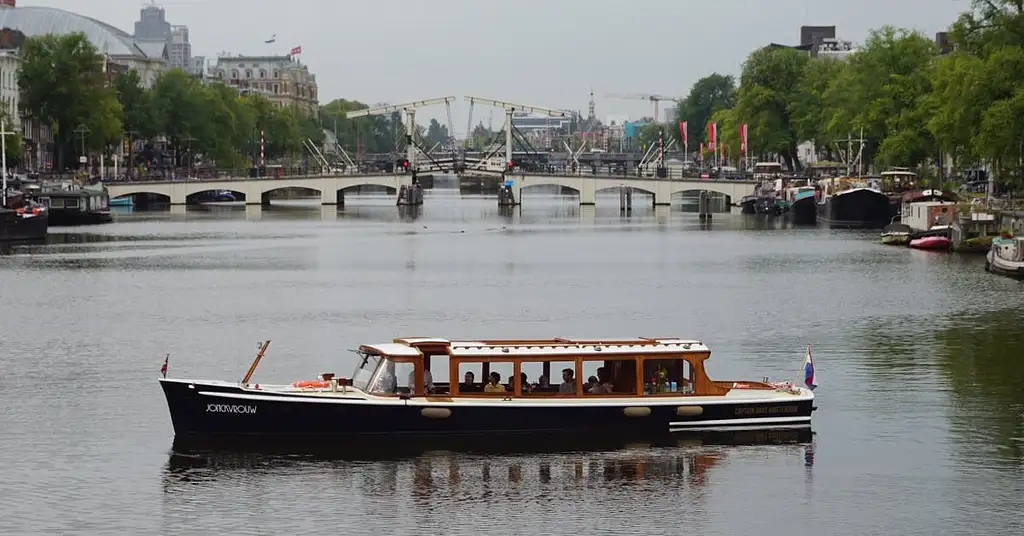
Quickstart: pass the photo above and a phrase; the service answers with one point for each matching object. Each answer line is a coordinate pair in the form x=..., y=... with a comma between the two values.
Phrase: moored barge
x=643, y=387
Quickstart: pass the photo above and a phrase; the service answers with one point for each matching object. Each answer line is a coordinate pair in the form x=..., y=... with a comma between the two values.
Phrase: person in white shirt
x=428, y=380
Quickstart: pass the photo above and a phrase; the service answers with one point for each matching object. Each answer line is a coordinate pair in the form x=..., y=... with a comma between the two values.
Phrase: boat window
x=610, y=376
x=364, y=370
x=481, y=373
x=71, y=202
x=391, y=378
x=548, y=378
x=667, y=376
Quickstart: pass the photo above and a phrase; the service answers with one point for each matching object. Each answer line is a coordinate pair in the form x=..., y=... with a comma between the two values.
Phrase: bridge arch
x=215, y=195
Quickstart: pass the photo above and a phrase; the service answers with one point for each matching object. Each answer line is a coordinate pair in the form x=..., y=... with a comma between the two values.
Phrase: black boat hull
x=71, y=218
x=747, y=205
x=217, y=411
x=861, y=208
x=804, y=211
x=13, y=227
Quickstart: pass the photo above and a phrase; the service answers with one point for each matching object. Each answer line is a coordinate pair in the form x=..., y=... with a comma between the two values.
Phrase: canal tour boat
x=1006, y=257
x=642, y=387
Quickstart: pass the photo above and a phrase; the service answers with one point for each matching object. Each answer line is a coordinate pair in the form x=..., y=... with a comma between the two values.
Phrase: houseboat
x=896, y=182
x=802, y=204
x=69, y=205
x=849, y=202
x=931, y=224
x=638, y=388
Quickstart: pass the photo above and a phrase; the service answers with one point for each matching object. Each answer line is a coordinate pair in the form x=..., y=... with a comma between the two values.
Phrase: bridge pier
x=704, y=205
x=330, y=197
x=625, y=199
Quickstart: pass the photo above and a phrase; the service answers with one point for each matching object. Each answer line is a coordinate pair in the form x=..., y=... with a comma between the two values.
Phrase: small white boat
x=1006, y=257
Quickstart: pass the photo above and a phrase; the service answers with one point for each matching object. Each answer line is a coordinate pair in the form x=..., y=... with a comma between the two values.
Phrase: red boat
x=937, y=242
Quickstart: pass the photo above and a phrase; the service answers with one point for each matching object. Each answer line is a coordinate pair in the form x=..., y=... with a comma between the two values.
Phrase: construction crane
x=510, y=108
x=639, y=96
x=410, y=119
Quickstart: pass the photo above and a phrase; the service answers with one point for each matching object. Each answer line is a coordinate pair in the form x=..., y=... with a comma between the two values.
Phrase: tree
x=769, y=84
x=884, y=92
x=808, y=107
x=179, y=110
x=62, y=84
x=436, y=133
x=710, y=94
x=136, y=105
x=13, y=141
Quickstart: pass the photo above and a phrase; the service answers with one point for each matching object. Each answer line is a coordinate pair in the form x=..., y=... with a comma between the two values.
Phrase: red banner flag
x=712, y=135
x=743, y=138
x=163, y=369
x=682, y=132
x=296, y=51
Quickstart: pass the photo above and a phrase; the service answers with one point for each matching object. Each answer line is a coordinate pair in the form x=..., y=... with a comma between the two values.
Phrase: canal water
x=920, y=427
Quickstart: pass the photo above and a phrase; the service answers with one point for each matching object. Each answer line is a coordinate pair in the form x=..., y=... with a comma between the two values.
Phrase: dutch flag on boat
x=809, y=370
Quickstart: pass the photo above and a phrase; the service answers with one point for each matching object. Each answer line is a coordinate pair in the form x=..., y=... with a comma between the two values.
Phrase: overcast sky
x=542, y=52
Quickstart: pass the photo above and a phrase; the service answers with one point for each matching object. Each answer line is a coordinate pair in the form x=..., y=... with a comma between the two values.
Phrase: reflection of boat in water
x=1006, y=257
x=642, y=388
x=385, y=448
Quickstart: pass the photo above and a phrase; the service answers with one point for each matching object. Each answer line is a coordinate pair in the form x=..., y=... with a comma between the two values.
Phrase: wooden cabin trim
x=516, y=380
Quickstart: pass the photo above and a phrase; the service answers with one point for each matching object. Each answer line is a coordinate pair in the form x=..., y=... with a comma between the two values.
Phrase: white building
x=179, y=50
x=282, y=79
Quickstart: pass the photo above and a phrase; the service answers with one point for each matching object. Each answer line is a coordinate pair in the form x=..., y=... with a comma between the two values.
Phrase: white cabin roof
x=423, y=340
x=673, y=347
x=394, y=349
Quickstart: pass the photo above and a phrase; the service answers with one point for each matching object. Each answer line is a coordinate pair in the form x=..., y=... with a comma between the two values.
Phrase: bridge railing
x=242, y=174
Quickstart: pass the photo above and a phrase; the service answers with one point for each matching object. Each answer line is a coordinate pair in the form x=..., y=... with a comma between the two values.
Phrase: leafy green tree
x=808, y=108
x=14, y=146
x=884, y=91
x=769, y=84
x=136, y=105
x=179, y=110
x=710, y=94
x=62, y=84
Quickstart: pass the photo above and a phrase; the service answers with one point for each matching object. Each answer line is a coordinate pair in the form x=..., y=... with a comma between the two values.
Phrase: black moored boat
x=845, y=205
x=642, y=388
x=21, y=219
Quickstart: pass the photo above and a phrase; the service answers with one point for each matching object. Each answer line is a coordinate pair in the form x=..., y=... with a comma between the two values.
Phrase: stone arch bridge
x=257, y=190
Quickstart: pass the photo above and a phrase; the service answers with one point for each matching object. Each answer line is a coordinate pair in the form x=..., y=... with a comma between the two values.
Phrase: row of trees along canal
x=63, y=84
x=912, y=102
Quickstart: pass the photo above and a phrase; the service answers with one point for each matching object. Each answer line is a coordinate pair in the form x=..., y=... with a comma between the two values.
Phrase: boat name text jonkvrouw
x=230, y=408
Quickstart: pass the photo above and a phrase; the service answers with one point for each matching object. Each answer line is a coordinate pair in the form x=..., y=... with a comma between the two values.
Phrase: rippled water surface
x=920, y=358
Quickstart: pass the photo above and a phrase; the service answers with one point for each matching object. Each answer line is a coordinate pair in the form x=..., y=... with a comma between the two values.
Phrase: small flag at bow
x=809, y=370
x=163, y=369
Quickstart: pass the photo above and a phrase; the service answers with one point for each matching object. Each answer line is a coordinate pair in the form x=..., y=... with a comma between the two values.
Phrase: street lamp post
x=191, y=159
x=82, y=131
x=132, y=134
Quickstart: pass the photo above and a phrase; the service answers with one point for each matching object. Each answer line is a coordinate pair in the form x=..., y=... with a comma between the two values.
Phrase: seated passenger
x=494, y=386
x=568, y=382
x=603, y=385
x=469, y=383
x=524, y=382
x=428, y=381
x=590, y=385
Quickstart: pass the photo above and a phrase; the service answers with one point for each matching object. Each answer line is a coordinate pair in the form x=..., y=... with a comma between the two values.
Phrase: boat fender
x=689, y=411
x=436, y=413
x=636, y=412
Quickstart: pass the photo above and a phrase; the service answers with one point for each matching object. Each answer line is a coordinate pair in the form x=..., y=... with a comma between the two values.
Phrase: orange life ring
x=305, y=384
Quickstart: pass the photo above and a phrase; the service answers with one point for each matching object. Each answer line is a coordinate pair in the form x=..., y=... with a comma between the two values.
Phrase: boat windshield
x=364, y=370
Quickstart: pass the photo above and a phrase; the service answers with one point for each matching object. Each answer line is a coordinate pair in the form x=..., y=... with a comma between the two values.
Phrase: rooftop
x=35, y=21
x=406, y=347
